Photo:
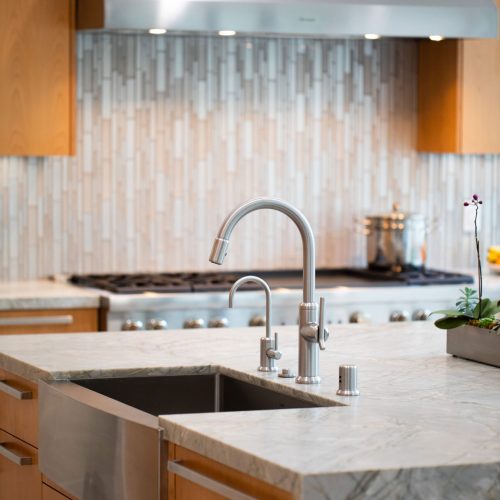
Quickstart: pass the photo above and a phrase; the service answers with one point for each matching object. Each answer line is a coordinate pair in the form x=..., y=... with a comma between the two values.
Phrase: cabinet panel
x=459, y=96
x=19, y=416
x=49, y=321
x=19, y=482
x=37, y=95
x=180, y=488
x=481, y=96
x=438, y=96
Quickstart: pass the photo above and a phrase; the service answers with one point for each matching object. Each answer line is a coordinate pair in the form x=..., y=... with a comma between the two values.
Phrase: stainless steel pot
x=396, y=241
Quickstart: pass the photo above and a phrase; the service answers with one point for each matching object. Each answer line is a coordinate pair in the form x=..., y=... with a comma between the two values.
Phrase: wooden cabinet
x=19, y=407
x=459, y=96
x=37, y=78
x=212, y=475
x=48, y=321
x=20, y=478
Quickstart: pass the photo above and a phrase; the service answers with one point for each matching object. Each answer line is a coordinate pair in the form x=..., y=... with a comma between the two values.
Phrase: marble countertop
x=426, y=425
x=45, y=294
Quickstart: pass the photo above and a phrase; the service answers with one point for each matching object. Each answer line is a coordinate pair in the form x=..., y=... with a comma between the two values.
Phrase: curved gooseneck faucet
x=221, y=243
x=312, y=334
x=269, y=352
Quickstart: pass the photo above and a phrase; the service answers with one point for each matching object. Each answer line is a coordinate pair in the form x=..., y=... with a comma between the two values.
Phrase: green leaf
x=466, y=303
x=488, y=309
x=449, y=323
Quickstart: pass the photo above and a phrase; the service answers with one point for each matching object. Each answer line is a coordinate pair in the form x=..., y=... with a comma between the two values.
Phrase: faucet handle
x=323, y=333
x=274, y=353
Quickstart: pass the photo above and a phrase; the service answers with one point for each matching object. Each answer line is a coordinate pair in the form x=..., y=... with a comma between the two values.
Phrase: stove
x=196, y=300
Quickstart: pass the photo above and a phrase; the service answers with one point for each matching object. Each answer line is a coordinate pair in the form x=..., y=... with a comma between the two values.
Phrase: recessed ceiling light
x=227, y=33
x=436, y=38
x=157, y=31
x=372, y=36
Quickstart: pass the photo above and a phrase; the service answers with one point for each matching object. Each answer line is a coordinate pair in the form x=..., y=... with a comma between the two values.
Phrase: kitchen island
x=426, y=425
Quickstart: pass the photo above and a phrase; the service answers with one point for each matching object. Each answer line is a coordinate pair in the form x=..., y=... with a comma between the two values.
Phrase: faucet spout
x=221, y=242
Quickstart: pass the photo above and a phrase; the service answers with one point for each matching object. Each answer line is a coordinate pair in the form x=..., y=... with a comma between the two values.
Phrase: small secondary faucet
x=269, y=352
x=312, y=332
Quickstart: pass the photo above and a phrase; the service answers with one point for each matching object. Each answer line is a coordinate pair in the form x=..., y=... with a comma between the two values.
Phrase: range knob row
x=257, y=320
x=200, y=323
x=418, y=315
x=137, y=324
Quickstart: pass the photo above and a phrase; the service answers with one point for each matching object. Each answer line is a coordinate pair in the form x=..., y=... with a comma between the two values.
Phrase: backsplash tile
x=173, y=132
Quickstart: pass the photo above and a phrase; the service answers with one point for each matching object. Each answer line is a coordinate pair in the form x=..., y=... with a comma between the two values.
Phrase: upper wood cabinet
x=37, y=77
x=459, y=96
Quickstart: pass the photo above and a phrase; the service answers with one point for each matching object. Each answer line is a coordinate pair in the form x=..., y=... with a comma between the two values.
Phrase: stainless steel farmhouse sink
x=100, y=439
x=166, y=395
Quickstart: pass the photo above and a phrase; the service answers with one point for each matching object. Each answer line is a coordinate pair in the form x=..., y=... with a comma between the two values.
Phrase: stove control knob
x=359, y=317
x=194, y=323
x=156, y=324
x=132, y=324
x=420, y=315
x=218, y=323
x=399, y=316
x=257, y=321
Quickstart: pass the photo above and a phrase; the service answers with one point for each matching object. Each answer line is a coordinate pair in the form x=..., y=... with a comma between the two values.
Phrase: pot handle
x=360, y=226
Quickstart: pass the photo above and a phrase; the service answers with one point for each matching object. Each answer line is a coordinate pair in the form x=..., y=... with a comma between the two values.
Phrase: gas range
x=216, y=282
x=197, y=300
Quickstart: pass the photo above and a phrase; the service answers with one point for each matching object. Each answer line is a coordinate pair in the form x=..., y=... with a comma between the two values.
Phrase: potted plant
x=473, y=330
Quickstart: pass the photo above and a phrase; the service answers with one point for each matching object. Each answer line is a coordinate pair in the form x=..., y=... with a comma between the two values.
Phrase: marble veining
x=426, y=425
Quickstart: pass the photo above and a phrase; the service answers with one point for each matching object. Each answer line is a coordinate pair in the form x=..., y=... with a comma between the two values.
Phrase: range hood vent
x=303, y=18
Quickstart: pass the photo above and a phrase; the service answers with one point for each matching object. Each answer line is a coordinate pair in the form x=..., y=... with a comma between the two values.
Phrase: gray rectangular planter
x=471, y=342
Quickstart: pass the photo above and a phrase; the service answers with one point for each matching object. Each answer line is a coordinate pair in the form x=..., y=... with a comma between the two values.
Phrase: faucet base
x=308, y=380
x=268, y=368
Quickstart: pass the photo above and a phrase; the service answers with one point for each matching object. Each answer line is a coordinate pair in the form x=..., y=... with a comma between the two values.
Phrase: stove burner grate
x=291, y=279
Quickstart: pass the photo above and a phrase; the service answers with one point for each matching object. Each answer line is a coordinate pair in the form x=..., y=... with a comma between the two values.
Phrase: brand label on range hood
x=306, y=18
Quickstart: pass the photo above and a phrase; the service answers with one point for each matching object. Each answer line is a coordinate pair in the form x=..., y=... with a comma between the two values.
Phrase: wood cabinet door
x=20, y=478
x=37, y=96
x=459, y=96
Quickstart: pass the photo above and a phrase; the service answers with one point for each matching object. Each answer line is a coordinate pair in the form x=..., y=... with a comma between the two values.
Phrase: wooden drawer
x=20, y=478
x=49, y=321
x=19, y=411
x=181, y=488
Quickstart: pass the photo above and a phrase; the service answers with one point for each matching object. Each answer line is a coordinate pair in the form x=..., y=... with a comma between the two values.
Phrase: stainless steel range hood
x=305, y=18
